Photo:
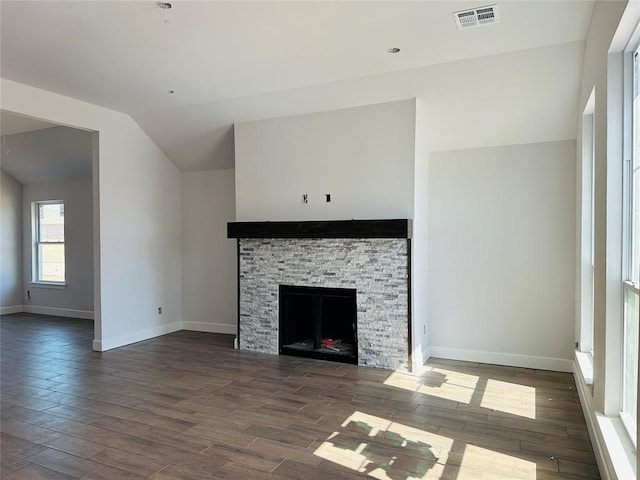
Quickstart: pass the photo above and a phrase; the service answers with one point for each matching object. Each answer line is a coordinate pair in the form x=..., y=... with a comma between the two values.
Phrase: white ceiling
x=51, y=155
x=232, y=61
x=10, y=123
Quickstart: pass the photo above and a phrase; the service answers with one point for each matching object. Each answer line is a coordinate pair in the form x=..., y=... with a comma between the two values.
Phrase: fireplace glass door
x=318, y=322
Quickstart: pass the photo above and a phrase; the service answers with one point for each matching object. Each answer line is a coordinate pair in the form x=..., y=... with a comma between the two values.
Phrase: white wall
x=137, y=208
x=501, y=254
x=507, y=99
x=419, y=244
x=140, y=236
x=363, y=157
x=77, y=298
x=209, y=264
x=10, y=244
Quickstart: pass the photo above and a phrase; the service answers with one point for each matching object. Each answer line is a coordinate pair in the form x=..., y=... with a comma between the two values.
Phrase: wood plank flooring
x=187, y=406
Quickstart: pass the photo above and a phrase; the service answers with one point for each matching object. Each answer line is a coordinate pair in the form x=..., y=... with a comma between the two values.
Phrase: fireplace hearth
x=318, y=322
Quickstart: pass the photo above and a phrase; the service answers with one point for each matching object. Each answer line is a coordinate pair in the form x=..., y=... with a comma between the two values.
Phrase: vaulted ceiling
x=47, y=155
x=238, y=61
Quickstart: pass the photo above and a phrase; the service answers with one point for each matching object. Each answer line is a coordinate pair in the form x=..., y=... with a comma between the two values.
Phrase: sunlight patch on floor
x=460, y=387
x=384, y=449
x=388, y=450
x=494, y=465
x=510, y=398
x=437, y=382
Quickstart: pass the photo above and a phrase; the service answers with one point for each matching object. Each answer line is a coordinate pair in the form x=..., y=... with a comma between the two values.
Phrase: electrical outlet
x=327, y=197
x=159, y=310
x=424, y=329
x=305, y=198
x=28, y=295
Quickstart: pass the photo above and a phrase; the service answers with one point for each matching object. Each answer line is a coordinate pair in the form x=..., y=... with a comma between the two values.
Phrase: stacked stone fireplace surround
x=378, y=268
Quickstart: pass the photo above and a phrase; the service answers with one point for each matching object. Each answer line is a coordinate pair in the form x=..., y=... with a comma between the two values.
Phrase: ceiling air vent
x=476, y=17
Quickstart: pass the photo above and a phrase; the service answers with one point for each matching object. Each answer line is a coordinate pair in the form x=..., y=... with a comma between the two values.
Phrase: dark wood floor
x=187, y=406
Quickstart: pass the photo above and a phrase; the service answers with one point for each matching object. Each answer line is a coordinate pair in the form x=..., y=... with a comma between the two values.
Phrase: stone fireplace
x=369, y=257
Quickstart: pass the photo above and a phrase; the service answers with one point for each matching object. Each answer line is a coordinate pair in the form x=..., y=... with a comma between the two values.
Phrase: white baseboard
x=58, y=312
x=10, y=309
x=210, y=327
x=418, y=360
x=509, y=359
x=426, y=353
x=110, y=343
x=53, y=311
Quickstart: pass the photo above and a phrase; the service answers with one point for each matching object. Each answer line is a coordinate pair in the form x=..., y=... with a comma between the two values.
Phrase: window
x=587, y=270
x=48, y=242
x=631, y=267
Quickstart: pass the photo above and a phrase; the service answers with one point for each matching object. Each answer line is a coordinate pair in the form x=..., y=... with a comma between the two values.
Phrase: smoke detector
x=476, y=17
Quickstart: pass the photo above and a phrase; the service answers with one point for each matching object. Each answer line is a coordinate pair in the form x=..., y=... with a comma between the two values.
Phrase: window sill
x=619, y=446
x=585, y=364
x=634, y=287
x=52, y=285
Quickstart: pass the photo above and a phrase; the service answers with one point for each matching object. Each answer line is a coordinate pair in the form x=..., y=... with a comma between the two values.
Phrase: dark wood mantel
x=395, y=228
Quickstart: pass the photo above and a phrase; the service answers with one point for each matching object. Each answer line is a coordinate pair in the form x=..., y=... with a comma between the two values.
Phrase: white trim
x=618, y=445
x=631, y=286
x=585, y=366
x=121, y=341
x=509, y=359
x=36, y=264
x=58, y=312
x=10, y=309
x=609, y=284
x=53, y=311
x=210, y=327
x=586, y=226
x=612, y=446
x=53, y=285
x=426, y=353
x=604, y=466
x=631, y=429
x=418, y=361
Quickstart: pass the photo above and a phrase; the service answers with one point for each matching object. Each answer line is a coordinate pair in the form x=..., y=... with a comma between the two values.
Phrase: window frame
x=627, y=419
x=36, y=276
x=632, y=142
x=587, y=270
x=627, y=181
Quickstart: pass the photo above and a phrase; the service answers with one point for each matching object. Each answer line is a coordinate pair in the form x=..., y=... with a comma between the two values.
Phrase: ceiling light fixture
x=393, y=50
x=165, y=6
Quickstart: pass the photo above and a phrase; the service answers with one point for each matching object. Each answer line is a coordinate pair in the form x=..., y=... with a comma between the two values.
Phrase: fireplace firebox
x=318, y=322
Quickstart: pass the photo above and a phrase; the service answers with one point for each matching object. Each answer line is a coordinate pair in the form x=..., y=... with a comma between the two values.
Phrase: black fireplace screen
x=318, y=322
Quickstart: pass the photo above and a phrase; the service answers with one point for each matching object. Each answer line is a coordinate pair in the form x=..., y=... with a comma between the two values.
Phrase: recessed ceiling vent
x=476, y=17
